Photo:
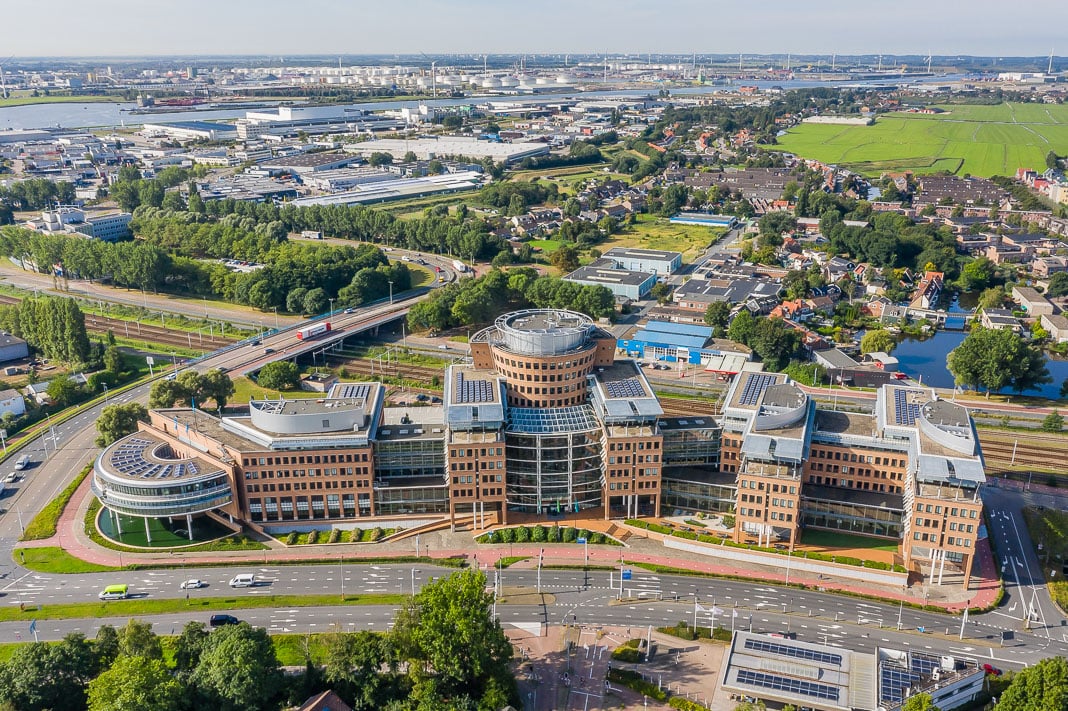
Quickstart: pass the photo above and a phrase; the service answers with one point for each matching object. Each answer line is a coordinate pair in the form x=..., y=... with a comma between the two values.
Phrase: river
x=926, y=358
x=102, y=114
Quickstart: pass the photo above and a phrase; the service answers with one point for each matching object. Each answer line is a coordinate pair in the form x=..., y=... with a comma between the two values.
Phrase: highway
x=591, y=597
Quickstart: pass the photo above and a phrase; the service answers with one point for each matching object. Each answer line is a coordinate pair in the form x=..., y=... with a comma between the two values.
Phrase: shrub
x=376, y=533
x=555, y=535
x=596, y=538
x=634, y=681
x=538, y=535
x=522, y=534
x=291, y=539
x=507, y=535
x=677, y=702
x=728, y=521
x=313, y=536
x=335, y=534
x=570, y=534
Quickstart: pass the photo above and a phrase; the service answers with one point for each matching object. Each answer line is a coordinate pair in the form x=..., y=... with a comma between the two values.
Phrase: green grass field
x=979, y=140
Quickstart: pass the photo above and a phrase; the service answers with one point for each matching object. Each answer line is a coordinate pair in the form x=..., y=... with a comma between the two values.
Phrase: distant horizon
x=243, y=28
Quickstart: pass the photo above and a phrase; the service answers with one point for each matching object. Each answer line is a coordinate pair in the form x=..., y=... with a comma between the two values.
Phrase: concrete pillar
x=148, y=533
x=968, y=570
x=118, y=522
x=189, y=525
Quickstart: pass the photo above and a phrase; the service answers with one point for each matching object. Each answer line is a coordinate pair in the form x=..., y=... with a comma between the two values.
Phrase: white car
x=11, y=478
x=192, y=584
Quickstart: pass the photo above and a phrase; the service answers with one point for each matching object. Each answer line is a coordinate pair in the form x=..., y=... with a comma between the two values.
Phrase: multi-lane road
x=590, y=596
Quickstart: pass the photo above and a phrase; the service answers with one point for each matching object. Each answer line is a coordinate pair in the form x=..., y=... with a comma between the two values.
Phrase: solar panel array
x=788, y=684
x=786, y=650
x=128, y=458
x=905, y=412
x=471, y=391
x=892, y=683
x=628, y=387
x=359, y=392
x=754, y=386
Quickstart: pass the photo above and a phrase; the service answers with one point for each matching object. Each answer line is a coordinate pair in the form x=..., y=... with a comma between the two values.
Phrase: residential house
x=1056, y=325
x=13, y=402
x=1000, y=318
x=326, y=701
x=927, y=291
x=1031, y=301
x=1046, y=266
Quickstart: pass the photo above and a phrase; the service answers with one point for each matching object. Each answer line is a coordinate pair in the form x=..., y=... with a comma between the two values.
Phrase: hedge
x=633, y=680
x=545, y=534
x=43, y=525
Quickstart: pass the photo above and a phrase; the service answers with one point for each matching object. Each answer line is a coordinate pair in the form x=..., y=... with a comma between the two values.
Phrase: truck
x=313, y=331
x=459, y=266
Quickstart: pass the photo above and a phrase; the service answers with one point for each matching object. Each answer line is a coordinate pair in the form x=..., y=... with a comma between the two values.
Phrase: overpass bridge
x=250, y=355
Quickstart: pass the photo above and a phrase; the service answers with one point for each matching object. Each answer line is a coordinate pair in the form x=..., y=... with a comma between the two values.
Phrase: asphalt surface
x=590, y=597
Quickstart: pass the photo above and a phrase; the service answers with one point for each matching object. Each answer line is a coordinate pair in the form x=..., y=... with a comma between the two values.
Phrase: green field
x=979, y=140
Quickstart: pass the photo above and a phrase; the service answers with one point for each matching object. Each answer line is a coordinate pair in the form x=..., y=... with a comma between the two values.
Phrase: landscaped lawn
x=53, y=559
x=652, y=232
x=980, y=140
x=245, y=390
x=832, y=539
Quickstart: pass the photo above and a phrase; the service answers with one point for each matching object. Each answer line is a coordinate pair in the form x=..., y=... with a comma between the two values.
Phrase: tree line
x=471, y=302
x=445, y=651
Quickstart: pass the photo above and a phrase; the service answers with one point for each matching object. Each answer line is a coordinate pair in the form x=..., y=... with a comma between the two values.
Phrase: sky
x=291, y=27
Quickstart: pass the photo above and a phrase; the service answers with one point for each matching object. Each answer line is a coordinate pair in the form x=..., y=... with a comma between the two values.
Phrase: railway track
x=395, y=370
x=208, y=341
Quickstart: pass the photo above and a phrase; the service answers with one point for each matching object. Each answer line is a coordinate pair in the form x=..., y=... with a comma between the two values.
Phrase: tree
x=565, y=259
x=977, y=274
x=42, y=676
x=113, y=360
x=775, y=342
x=1058, y=284
x=279, y=375
x=1053, y=422
x=718, y=315
x=997, y=358
x=353, y=662
x=920, y=702
x=63, y=390
x=877, y=341
x=315, y=301
x=1064, y=389
x=117, y=421
x=447, y=634
x=295, y=300
x=166, y=393
x=136, y=639
x=992, y=298
x=134, y=682
x=379, y=159
x=216, y=385
x=238, y=670
x=742, y=327
x=452, y=122
x=1051, y=160
x=106, y=646
x=435, y=167
x=189, y=646
x=1042, y=687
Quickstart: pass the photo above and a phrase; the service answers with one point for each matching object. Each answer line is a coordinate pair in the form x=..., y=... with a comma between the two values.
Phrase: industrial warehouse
x=545, y=422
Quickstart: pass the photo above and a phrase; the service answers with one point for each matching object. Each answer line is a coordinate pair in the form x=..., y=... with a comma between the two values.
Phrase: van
x=23, y=462
x=244, y=580
x=114, y=592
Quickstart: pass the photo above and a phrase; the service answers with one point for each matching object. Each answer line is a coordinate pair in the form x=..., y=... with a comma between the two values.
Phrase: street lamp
x=391, y=293
x=105, y=385
x=331, y=305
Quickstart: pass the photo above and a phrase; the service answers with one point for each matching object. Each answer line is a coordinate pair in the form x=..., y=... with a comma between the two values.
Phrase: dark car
x=223, y=620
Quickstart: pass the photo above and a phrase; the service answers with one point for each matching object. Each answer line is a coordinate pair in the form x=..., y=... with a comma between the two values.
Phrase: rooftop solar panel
x=755, y=384
x=786, y=650
x=788, y=684
x=472, y=391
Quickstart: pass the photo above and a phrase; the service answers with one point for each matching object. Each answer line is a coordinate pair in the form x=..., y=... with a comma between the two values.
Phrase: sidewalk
x=442, y=544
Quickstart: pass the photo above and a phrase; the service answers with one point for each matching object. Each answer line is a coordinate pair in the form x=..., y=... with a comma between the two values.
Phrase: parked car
x=192, y=584
x=223, y=620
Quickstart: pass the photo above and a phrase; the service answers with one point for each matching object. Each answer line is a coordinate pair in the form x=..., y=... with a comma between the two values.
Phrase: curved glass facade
x=155, y=498
x=553, y=472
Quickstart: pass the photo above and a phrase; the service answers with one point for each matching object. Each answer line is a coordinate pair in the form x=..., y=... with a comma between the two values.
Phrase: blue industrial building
x=680, y=343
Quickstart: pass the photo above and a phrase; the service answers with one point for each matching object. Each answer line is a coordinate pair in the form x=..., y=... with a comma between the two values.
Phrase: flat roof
x=643, y=253
x=686, y=329
x=670, y=339
x=602, y=275
x=310, y=160
x=423, y=422
x=145, y=456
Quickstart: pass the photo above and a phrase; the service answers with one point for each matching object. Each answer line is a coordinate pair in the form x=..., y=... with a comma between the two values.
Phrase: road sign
x=580, y=541
x=627, y=574
x=150, y=360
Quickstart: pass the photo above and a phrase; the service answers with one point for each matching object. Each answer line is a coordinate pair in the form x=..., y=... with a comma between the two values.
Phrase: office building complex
x=544, y=421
